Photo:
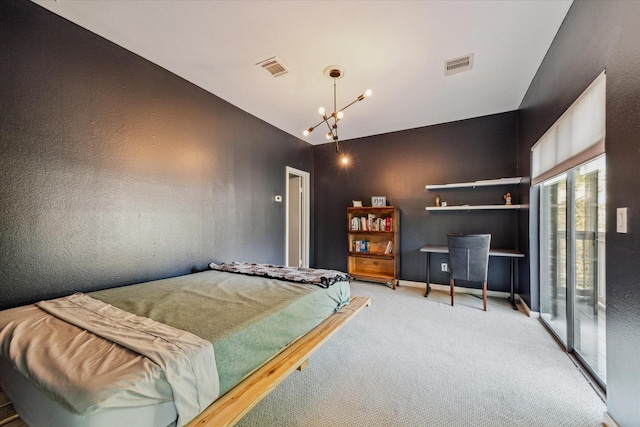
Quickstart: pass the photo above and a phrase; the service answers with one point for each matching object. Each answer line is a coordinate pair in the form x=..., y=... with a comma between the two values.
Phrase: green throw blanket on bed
x=247, y=319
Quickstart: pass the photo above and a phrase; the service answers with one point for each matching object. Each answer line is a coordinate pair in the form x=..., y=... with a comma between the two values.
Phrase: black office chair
x=469, y=260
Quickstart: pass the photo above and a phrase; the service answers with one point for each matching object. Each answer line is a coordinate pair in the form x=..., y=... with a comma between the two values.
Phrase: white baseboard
x=459, y=289
x=608, y=420
x=411, y=283
x=495, y=294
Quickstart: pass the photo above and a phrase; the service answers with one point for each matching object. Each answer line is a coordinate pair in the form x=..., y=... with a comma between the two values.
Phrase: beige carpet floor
x=414, y=361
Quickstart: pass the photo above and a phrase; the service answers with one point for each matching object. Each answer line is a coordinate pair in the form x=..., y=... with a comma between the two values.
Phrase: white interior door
x=297, y=218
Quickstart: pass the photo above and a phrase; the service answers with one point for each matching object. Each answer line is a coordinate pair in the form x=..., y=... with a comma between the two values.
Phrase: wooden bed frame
x=233, y=405
x=8, y=416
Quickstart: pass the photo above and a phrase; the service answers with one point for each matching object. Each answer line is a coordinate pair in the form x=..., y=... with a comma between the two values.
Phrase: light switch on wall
x=621, y=220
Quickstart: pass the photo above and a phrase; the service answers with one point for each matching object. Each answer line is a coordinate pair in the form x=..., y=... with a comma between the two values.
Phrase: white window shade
x=576, y=137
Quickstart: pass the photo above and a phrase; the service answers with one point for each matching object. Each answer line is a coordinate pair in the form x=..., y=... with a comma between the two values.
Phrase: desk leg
x=428, y=275
x=512, y=298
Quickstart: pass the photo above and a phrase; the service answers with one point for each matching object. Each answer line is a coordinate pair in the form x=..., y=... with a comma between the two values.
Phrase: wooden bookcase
x=378, y=259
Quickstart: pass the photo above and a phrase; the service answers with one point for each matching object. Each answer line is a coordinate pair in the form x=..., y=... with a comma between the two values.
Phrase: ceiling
x=395, y=48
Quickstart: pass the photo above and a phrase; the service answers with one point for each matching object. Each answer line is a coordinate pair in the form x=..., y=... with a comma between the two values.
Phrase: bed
x=260, y=330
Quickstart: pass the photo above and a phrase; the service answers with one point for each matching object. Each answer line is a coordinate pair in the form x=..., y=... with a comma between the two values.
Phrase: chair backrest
x=469, y=256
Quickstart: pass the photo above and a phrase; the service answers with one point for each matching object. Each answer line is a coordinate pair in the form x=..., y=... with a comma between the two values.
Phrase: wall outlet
x=444, y=267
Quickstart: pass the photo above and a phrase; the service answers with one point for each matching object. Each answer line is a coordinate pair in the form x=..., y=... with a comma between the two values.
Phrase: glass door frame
x=598, y=264
x=545, y=266
x=570, y=269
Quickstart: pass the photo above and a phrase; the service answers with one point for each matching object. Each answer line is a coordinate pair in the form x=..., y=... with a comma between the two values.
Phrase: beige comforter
x=182, y=360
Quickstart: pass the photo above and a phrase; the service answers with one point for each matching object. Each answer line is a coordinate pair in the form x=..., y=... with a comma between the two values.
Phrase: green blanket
x=247, y=319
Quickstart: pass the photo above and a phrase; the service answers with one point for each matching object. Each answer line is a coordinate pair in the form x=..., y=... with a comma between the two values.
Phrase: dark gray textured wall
x=398, y=165
x=115, y=171
x=597, y=35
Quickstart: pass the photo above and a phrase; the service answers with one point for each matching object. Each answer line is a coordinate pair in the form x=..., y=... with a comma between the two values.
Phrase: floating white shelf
x=474, y=207
x=482, y=183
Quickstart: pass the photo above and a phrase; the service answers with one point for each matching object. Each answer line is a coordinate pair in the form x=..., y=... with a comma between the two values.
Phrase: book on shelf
x=370, y=223
x=389, y=247
x=360, y=246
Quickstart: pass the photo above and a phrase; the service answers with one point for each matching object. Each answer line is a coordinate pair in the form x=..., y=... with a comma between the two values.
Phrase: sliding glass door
x=589, y=299
x=553, y=256
x=572, y=255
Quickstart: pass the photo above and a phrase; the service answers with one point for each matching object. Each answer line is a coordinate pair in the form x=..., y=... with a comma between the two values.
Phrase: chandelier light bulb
x=335, y=72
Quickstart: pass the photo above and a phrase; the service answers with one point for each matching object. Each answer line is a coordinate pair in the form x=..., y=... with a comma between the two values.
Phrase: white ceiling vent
x=458, y=65
x=273, y=67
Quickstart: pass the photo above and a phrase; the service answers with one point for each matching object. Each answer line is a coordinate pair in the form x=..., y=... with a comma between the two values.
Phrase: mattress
x=247, y=319
x=36, y=408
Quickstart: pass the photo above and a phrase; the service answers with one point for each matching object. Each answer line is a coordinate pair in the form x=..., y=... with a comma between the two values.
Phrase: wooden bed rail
x=8, y=415
x=234, y=404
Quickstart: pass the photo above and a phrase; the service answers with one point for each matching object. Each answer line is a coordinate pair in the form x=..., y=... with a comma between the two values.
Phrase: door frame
x=570, y=320
x=306, y=214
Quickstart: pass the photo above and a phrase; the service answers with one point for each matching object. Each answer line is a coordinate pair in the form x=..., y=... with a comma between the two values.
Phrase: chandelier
x=335, y=72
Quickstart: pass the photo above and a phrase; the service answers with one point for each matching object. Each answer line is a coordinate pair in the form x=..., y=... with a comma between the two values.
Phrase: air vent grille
x=458, y=65
x=273, y=67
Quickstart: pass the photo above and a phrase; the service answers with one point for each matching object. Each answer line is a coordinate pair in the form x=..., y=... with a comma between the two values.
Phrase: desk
x=511, y=254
